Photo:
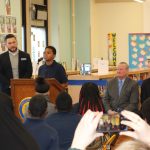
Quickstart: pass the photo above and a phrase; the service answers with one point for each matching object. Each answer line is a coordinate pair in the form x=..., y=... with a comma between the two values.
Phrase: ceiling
x=111, y=1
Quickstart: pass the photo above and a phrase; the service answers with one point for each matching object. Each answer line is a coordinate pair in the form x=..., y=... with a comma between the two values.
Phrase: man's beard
x=13, y=50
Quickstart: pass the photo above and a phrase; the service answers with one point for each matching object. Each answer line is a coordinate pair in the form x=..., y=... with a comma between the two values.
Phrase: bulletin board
x=139, y=50
x=7, y=24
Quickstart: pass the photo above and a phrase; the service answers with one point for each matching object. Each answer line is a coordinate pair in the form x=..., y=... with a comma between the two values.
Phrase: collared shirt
x=55, y=70
x=14, y=53
x=14, y=59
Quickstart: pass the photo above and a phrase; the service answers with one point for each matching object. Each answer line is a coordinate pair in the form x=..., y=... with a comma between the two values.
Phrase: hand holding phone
x=111, y=123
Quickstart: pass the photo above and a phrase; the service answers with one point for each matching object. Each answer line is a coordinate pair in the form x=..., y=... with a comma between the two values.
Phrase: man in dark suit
x=14, y=64
x=145, y=90
x=122, y=92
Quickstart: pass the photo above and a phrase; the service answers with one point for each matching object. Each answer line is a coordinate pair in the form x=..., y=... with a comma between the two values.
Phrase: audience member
x=133, y=145
x=122, y=92
x=42, y=87
x=145, y=110
x=14, y=63
x=145, y=90
x=89, y=99
x=86, y=130
x=64, y=121
x=46, y=136
x=12, y=133
x=52, y=69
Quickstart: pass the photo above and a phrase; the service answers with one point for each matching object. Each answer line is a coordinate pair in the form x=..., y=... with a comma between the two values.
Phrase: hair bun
x=41, y=85
x=40, y=80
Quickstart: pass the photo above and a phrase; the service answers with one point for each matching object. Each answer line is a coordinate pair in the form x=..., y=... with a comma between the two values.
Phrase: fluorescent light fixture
x=140, y=1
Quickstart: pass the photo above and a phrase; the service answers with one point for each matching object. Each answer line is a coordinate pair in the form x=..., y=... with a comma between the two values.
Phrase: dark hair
x=64, y=102
x=37, y=105
x=8, y=36
x=90, y=98
x=145, y=110
x=41, y=85
x=52, y=48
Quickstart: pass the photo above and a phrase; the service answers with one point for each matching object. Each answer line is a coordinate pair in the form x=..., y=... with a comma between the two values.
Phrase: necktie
x=120, y=86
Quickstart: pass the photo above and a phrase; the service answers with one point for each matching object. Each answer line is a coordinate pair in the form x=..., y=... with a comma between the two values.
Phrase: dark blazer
x=24, y=68
x=128, y=98
x=45, y=136
x=145, y=90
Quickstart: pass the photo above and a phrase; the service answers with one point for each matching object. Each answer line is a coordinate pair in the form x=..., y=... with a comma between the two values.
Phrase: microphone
x=40, y=59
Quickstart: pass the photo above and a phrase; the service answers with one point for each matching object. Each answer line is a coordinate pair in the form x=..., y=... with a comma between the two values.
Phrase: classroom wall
x=146, y=19
x=60, y=29
x=121, y=18
x=82, y=30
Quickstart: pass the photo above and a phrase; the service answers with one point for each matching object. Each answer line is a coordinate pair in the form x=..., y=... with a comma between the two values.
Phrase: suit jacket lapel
x=116, y=88
x=19, y=63
x=9, y=64
x=125, y=84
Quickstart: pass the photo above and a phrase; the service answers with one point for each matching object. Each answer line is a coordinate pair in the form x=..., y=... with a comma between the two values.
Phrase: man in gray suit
x=122, y=92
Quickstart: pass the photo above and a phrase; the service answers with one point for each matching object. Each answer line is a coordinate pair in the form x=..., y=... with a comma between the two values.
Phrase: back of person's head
x=38, y=106
x=133, y=145
x=90, y=98
x=13, y=134
x=41, y=85
x=52, y=48
x=8, y=36
x=64, y=102
x=145, y=110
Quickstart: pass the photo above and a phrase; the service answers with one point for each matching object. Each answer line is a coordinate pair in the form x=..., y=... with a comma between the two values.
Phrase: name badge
x=23, y=59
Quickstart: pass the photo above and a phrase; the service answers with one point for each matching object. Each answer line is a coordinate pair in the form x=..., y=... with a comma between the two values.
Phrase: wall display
x=2, y=43
x=139, y=50
x=112, y=49
x=2, y=24
x=8, y=7
x=13, y=24
x=8, y=24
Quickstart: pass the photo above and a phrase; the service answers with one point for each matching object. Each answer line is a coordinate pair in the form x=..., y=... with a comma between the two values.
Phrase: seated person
x=64, y=121
x=42, y=88
x=52, y=69
x=145, y=110
x=46, y=136
x=122, y=92
x=89, y=99
x=145, y=90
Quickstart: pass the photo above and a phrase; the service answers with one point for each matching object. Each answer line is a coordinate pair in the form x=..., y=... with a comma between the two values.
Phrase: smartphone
x=111, y=123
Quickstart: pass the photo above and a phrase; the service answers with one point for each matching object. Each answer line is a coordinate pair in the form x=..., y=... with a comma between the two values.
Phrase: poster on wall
x=13, y=23
x=8, y=7
x=8, y=24
x=139, y=50
x=112, y=49
x=2, y=43
x=2, y=24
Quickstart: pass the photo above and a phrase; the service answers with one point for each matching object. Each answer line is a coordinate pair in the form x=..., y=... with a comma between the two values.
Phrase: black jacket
x=24, y=68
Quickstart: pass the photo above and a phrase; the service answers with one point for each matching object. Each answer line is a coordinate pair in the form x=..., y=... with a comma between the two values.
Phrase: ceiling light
x=140, y=1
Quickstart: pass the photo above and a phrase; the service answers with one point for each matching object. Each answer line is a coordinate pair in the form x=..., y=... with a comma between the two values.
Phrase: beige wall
x=121, y=18
x=147, y=16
